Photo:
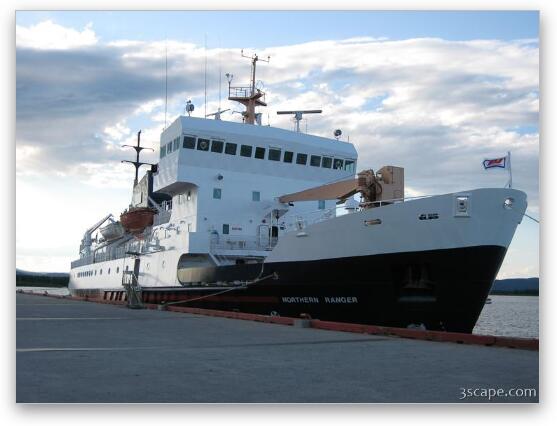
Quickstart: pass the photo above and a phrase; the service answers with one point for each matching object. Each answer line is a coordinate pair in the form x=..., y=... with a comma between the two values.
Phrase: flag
x=495, y=163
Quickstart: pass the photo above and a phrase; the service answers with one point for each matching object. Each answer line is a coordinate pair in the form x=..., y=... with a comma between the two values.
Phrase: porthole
x=108, y=271
x=117, y=269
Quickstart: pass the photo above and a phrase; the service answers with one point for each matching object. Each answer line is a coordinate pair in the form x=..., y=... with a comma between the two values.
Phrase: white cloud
x=118, y=131
x=435, y=107
x=51, y=36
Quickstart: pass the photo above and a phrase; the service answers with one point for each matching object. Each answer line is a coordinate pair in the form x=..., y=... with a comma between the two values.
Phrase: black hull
x=442, y=289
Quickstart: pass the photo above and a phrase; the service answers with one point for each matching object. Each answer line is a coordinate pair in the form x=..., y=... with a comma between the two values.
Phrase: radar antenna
x=138, y=148
x=299, y=114
x=249, y=96
x=217, y=113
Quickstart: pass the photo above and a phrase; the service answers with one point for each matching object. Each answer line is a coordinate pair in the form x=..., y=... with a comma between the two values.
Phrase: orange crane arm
x=333, y=191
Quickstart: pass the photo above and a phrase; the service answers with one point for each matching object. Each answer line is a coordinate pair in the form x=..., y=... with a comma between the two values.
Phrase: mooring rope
x=274, y=275
x=525, y=214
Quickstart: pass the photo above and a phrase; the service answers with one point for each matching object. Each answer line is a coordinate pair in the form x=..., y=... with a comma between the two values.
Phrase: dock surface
x=72, y=351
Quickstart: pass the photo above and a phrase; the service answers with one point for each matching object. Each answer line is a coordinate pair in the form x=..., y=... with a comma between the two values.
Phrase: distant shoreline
x=26, y=283
x=516, y=293
x=505, y=287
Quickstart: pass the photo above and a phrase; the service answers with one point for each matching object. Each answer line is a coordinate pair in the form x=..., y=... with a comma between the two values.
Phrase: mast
x=138, y=148
x=248, y=96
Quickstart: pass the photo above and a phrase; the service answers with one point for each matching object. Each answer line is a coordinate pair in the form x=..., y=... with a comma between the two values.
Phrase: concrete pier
x=75, y=351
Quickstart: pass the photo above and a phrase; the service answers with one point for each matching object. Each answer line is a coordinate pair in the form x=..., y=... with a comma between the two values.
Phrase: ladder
x=133, y=289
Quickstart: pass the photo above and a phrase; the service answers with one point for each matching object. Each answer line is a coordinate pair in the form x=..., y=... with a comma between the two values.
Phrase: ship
x=246, y=217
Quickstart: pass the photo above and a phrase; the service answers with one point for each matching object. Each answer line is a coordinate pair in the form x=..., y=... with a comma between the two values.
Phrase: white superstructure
x=266, y=215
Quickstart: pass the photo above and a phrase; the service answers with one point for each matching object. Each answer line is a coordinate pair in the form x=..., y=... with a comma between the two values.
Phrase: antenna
x=249, y=96
x=220, y=76
x=299, y=114
x=205, y=50
x=165, y=81
x=254, y=60
x=217, y=114
x=138, y=148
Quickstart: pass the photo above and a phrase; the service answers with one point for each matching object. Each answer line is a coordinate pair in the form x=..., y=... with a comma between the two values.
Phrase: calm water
x=61, y=291
x=510, y=316
x=515, y=316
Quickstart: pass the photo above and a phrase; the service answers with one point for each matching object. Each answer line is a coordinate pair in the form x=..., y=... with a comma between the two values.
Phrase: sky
x=434, y=92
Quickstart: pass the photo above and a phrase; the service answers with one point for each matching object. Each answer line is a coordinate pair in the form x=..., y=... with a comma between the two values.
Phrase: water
x=60, y=291
x=516, y=316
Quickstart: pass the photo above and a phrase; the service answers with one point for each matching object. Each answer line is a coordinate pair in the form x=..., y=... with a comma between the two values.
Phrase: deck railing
x=242, y=243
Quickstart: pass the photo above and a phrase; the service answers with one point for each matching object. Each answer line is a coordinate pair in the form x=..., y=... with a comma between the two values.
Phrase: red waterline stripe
x=437, y=336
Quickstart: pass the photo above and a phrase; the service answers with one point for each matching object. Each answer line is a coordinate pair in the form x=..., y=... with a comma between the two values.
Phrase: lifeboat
x=112, y=231
x=136, y=219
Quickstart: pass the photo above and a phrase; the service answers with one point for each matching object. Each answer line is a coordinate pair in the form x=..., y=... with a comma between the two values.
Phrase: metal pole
x=205, y=50
x=254, y=61
x=165, y=81
x=510, y=170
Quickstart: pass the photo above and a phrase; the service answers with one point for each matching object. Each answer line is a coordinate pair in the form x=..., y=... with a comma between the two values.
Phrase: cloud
x=50, y=36
x=433, y=106
x=459, y=101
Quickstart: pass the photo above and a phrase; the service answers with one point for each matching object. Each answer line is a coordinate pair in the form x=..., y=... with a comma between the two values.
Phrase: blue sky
x=459, y=86
x=285, y=27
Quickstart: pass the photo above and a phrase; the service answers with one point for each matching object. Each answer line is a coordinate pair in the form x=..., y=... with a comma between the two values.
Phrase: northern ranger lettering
x=341, y=299
x=305, y=299
x=313, y=299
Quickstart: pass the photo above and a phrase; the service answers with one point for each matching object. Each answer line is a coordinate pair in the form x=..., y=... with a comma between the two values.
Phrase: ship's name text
x=313, y=299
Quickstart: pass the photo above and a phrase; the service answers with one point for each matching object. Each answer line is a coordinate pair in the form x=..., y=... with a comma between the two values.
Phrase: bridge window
x=301, y=159
x=202, y=144
x=217, y=146
x=169, y=147
x=230, y=148
x=321, y=204
x=327, y=162
x=217, y=193
x=338, y=163
x=176, y=144
x=315, y=160
x=274, y=154
x=245, y=150
x=225, y=228
x=255, y=196
x=349, y=165
x=189, y=142
x=288, y=156
x=163, y=151
x=260, y=153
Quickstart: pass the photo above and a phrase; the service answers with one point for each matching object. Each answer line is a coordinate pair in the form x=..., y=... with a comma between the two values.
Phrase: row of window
x=94, y=272
x=272, y=154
